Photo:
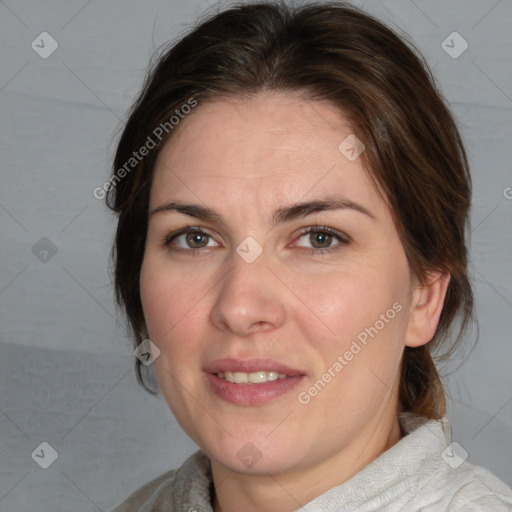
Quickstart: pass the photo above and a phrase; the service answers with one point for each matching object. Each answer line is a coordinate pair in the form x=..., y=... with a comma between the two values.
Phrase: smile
x=251, y=378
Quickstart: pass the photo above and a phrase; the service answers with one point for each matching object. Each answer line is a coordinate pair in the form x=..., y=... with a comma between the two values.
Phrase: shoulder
x=445, y=479
x=150, y=490
x=471, y=488
x=178, y=489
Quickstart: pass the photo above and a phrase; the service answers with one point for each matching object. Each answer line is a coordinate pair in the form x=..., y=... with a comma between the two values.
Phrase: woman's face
x=258, y=295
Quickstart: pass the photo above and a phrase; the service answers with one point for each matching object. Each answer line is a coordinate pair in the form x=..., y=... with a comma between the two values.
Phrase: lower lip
x=252, y=394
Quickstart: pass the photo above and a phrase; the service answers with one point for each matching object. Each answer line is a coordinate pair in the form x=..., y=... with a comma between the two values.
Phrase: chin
x=257, y=457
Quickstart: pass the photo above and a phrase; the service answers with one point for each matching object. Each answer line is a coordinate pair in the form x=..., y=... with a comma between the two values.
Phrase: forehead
x=271, y=148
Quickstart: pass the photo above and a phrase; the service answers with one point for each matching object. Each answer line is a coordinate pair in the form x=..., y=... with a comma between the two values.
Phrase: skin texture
x=245, y=158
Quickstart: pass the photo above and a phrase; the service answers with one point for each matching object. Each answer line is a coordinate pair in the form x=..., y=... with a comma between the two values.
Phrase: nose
x=250, y=298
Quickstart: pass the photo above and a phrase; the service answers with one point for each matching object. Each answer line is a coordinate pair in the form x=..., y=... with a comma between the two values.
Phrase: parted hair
x=376, y=78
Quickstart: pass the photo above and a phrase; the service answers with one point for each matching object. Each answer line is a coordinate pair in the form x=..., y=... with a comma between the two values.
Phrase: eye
x=321, y=237
x=194, y=239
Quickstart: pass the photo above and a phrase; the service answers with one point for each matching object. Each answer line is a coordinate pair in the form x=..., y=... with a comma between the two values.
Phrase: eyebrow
x=283, y=214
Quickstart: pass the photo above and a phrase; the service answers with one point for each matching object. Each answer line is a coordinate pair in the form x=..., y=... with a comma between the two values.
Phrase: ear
x=425, y=310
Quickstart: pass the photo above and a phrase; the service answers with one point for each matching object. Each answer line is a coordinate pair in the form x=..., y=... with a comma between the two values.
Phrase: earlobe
x=426, y=307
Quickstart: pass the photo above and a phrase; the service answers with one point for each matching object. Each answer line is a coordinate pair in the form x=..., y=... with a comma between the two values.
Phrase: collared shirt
x=423, y=472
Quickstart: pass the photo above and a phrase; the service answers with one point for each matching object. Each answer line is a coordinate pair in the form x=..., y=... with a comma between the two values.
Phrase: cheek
x=173, y=306
x=354, y=299
x=155, y=298
x=166, y=300
x=363, y=320
x=162, y=298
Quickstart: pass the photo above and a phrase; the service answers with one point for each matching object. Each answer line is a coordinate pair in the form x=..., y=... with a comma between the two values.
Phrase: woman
x=293, y=196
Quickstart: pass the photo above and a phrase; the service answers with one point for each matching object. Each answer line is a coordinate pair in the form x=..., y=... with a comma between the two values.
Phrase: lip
x=251, y=394
x=250, y=365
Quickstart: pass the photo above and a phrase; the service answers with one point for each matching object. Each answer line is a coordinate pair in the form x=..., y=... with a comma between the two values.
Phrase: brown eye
x=324, y=239
x=321, y=238
x=188, y=239
x=195, y=240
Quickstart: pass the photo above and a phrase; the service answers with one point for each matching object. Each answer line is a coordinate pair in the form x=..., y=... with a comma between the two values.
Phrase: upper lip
x=249, y=366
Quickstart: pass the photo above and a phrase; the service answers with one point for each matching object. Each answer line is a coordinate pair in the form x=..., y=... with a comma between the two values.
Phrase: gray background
x=66, y=363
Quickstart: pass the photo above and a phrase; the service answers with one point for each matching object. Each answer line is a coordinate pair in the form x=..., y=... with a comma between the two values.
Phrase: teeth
x=250, y=378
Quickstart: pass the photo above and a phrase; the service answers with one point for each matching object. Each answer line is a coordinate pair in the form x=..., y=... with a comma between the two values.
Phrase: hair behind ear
x=421, y=389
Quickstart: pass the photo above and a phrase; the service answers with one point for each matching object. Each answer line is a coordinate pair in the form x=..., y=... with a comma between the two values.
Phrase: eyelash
x=343, y=239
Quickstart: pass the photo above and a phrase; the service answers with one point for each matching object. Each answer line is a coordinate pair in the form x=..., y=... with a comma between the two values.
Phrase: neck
x=289, y=491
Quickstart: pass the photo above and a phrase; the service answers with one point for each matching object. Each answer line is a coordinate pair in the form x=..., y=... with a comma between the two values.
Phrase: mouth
x=253, y=371
x=251, y=382
x=251, y=378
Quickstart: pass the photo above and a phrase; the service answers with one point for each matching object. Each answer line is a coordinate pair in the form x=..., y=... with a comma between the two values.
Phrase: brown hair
x=334, y=52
